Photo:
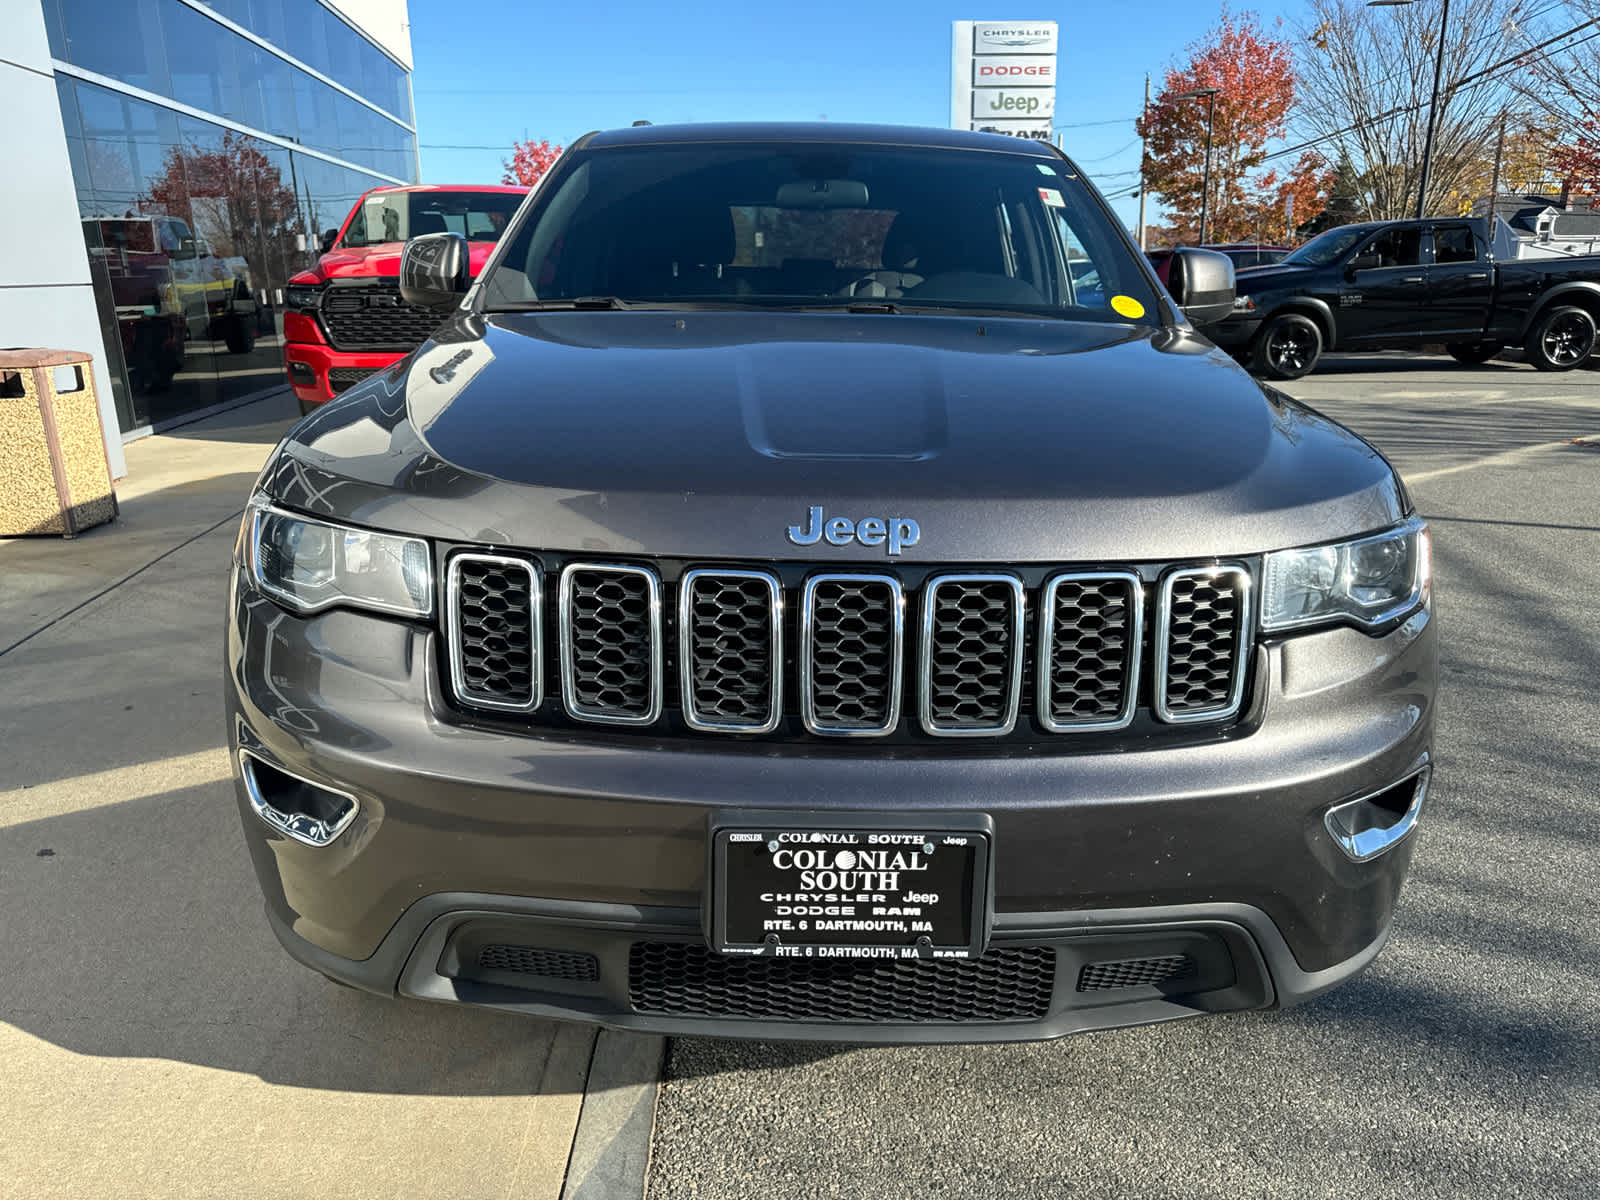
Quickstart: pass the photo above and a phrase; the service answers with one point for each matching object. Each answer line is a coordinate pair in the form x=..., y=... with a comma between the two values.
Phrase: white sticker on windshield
x=1044, y=170
x=1052, y=197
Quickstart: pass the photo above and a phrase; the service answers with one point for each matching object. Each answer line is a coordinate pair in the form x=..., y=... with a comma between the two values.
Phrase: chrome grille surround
x=1044, y=677
x=896, y=654
x=1242, y=636
x=926, y=666
x=688, y=632
x=455, y=633
x=569, y=657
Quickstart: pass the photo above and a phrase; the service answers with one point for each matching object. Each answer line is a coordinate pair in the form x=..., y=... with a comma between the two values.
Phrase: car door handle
x=1411, y=279
x=1478, y=277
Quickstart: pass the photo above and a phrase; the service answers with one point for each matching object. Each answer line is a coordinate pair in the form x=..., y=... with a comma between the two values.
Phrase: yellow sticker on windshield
x=1127, y=306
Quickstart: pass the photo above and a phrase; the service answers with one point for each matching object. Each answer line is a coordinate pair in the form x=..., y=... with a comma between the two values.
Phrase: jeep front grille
x=753, y=651
x=852, y=647
x=374, y=317
x=1202, y=637
x=730, y=648
x=496, y=658
x=1091, y=629
x=970, y=673
x=611, y=643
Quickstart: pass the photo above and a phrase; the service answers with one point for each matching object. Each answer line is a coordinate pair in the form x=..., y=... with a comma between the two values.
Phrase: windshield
x=398, y=216
x=1327, y=247
x=817, y=225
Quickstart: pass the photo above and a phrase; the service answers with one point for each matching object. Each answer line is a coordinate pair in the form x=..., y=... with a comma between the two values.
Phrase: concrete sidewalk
x=154, y=1038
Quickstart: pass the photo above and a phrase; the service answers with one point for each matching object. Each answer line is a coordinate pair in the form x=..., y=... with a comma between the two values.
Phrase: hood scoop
x=872, y=403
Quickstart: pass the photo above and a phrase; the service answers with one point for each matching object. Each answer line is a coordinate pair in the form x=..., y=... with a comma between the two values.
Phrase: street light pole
x=1210, y=95
x=1433, y=101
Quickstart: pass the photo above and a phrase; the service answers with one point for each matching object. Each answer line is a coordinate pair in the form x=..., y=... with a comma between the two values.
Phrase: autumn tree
x=1256, y=80
x=529, y=161
x=1559, y=74
x=1371, y=73
x=235, y=197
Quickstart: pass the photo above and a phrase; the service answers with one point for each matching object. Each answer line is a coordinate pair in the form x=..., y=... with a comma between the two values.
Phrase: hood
x=709, y=434
x=374, y=262
x=1272, y=278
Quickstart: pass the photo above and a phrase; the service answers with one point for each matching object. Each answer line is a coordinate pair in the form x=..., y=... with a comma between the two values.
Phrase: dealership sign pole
x=1003, y=77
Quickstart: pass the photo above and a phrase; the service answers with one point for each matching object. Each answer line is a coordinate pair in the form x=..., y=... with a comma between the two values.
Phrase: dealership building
x=170, y=163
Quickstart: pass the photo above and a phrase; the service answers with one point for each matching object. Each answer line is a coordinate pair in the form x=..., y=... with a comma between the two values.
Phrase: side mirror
x=1362, y=262
x=435, y=270
x=1202, y=283
x=329, y=237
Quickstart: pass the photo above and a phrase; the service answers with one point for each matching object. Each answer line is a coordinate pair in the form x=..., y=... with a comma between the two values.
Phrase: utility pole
x=1143, y=112
x=1494, y=184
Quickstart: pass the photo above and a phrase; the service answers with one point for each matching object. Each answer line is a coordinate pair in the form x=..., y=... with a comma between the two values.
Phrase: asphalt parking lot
x=154, y=1041
x=1466, y=1063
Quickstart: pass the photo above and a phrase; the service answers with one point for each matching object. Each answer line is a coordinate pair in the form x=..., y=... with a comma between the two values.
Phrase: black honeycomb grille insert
x=496, y=631
x=853, y=653
x=571, y=965
x=972, y=654
x=374, y=317
x=609, y=650
x=1205, y=620
x=1134, y=972
x=1094, y=629
x=1004, y=984
x=727, y=637
x=342, y=379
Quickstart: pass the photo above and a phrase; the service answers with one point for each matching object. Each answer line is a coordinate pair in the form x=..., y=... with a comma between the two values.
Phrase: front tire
x=1473, y=354
x=1561, y=338
x=1288, y=347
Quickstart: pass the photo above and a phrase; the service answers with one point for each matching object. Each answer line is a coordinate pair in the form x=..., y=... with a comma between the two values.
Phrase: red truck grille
x=372, y=316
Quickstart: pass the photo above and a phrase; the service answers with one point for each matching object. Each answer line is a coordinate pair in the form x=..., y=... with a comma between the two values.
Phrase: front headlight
x=310, y=565
x=1243, y=306
x=1369, y=581
x=302, y=297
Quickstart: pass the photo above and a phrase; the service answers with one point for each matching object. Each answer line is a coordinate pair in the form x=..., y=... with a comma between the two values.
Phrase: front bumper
x=468, y=837
x=1234, y=334
x=308, y=364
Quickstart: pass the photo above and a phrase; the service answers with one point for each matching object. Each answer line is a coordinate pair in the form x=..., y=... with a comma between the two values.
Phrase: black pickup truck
x=1399, y=285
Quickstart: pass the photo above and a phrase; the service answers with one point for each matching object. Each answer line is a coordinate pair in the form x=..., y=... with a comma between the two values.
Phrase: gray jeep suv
x=816, y=583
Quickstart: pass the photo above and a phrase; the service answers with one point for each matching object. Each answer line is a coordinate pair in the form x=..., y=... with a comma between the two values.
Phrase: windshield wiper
x=576, y=303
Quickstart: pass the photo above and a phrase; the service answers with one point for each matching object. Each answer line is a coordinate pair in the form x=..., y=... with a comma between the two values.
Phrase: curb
x=611, y=1145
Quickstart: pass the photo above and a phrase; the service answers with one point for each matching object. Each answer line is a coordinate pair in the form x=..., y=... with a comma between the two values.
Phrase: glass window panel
x=122, y=40
x=201, y=55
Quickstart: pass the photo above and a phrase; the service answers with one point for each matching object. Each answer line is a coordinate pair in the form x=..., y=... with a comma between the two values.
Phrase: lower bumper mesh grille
x=575, y=966
x=1134, y=972
x=1005, y=984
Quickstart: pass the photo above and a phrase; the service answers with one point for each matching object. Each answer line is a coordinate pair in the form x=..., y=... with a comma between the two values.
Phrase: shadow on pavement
x=135, y=930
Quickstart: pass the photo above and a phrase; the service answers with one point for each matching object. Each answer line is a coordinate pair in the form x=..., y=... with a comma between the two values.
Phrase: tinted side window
x=1454, y=243
x=1397, y=247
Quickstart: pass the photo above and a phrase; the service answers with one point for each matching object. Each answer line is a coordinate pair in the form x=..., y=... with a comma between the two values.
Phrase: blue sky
x=489, y=74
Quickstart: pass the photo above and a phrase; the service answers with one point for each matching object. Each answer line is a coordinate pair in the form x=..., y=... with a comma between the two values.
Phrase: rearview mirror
x=823, y=193
x=435, y=270
x=1202, y=283
x=329, y=237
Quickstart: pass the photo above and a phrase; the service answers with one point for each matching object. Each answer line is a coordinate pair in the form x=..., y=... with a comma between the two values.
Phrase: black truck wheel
x=239, y=336
x=1473, y=354
x=1561, y=338
x=1288, y=347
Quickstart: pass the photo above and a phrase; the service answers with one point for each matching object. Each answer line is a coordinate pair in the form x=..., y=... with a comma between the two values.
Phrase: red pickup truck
x=344, y=318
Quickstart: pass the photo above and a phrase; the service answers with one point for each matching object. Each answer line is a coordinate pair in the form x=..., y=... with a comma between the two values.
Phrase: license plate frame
x=957, y=923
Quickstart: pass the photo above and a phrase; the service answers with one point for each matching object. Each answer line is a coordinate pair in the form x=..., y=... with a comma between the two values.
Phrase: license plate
x=827, y=891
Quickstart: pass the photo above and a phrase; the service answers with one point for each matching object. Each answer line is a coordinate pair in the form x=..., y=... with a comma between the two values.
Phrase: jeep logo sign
x=1013, y=102
x=897, y=532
